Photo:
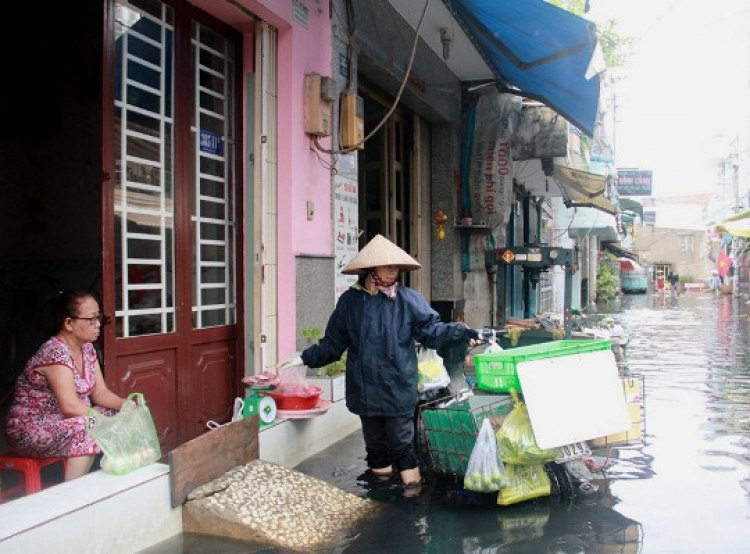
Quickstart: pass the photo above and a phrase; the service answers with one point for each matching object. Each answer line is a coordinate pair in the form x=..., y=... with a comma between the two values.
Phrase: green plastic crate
x=450, y=431
x=498, y=371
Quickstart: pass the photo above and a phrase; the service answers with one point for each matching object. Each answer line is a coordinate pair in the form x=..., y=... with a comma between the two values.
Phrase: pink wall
x=302, y=175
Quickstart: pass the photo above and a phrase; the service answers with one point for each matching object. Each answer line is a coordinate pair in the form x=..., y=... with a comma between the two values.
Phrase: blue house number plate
x=210, y=143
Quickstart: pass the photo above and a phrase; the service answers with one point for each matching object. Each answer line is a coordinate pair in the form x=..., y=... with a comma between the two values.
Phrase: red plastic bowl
x=297, y=401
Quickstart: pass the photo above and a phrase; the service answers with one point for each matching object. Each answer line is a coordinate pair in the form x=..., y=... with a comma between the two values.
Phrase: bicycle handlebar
x=486, y=333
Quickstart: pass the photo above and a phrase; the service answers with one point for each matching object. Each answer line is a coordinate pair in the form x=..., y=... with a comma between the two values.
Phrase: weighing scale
x=258, y=402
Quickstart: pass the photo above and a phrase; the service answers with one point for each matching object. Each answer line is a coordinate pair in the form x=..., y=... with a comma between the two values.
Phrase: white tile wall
x=93, y=514
x=289, y=442
x=106, y=514
x=333, y=387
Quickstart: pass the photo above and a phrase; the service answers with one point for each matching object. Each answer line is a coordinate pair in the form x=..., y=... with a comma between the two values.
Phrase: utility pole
x=736, y=176
x=614, y=124
x=736, y=191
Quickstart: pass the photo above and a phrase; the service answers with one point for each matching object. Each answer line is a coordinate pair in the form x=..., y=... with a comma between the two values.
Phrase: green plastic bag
x=128, y=439
x=525, y=482
x=516, y=442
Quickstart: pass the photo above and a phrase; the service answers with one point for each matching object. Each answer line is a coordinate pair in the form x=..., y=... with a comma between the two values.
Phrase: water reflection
x=694, y=357
x=447, y=520
x=684, y=488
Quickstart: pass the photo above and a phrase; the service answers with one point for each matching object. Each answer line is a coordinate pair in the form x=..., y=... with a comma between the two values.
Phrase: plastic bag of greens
x=128, y=439
x=485, y=472
x=516, y=442
x=524, y=483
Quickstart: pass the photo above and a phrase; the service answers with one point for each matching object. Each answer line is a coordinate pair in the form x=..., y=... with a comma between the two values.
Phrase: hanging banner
x=345, y=223
x=487, y=176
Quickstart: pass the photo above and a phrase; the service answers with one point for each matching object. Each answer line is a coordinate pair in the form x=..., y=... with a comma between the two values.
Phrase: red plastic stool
x=31, y=468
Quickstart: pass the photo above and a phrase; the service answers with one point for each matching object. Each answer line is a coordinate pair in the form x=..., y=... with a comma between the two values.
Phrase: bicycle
x=455, y=361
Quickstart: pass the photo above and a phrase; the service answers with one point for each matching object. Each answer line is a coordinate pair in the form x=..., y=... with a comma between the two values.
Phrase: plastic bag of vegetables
x=525, y=482
x=485, y=471
x=516, y=442
x=128, y=439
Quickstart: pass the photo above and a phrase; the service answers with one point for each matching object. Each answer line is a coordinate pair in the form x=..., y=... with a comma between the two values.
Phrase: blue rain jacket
x=380, y=334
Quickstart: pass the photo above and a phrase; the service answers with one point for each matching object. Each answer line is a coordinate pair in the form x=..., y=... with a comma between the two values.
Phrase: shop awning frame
x=584, y=189
x=628, y=205
x=737, y=225
x=619, y=251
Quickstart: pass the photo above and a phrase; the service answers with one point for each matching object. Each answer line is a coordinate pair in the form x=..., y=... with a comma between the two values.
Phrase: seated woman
x=47, y=416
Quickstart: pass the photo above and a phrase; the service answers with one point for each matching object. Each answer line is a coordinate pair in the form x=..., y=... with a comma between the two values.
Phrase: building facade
x=198, y=166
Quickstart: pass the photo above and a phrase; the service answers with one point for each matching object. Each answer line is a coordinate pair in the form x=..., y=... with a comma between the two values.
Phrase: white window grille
x=686, y=243
x=144, y=155
x=213, y=206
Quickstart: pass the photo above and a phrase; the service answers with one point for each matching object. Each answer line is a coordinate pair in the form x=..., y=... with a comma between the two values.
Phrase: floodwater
x=683, y=489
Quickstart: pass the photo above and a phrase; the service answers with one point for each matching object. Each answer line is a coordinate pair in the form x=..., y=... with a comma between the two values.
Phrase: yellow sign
x=508, y=256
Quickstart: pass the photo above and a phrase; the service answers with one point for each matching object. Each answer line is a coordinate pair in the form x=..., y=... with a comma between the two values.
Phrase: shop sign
x=634, y=182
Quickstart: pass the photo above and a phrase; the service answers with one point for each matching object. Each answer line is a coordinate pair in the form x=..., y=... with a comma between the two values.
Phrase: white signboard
x=345, y=227
x=574, y=398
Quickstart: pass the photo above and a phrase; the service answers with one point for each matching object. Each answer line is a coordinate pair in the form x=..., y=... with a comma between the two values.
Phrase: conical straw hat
x=379, y=252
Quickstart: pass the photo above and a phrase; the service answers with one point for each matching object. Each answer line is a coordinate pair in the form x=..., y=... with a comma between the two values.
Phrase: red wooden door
x=172, y=226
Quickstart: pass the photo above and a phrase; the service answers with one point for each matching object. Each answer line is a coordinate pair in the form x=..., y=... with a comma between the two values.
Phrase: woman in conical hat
x=378, y=264
x=376, y=322
x=380, y=252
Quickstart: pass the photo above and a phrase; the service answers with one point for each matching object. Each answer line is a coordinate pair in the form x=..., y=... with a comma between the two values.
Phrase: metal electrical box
x=535, y=256
x=318, y=99
x=352, y=121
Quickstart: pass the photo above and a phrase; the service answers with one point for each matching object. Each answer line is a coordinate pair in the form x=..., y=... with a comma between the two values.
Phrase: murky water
x=685, y=488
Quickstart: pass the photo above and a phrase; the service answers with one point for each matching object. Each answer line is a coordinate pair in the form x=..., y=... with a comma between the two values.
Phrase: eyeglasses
x=101, y=318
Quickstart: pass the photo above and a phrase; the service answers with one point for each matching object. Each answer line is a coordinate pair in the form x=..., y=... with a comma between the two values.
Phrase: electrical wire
x=351, y=26
x=564, y=231
x=349, y=149
x=330, y=166
x=521, y=167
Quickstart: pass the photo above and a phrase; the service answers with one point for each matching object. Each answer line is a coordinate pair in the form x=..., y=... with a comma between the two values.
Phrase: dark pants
x=389, y=441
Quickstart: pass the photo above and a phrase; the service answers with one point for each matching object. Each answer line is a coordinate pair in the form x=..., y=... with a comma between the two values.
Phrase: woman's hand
x=472, y=336
x=295, y=360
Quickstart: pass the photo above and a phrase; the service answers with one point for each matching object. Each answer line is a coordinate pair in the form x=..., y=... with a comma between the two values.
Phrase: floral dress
x=35, y=425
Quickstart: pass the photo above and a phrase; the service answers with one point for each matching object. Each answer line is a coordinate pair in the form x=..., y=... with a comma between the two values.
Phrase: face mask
x=389, y=289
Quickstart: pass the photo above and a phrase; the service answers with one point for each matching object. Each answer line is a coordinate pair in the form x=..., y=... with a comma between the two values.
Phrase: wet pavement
x=683, y=489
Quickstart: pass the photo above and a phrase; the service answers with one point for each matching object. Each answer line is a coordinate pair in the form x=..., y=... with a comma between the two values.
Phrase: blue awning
x=543, y=51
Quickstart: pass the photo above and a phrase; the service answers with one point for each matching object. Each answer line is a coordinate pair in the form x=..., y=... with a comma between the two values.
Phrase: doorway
x=394, y=181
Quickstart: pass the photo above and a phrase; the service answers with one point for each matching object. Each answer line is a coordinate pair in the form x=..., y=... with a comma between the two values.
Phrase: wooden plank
x=211, y=455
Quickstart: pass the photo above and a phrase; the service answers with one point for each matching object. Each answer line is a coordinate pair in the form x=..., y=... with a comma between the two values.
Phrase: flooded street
x=683, y=489
x=689, y=485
